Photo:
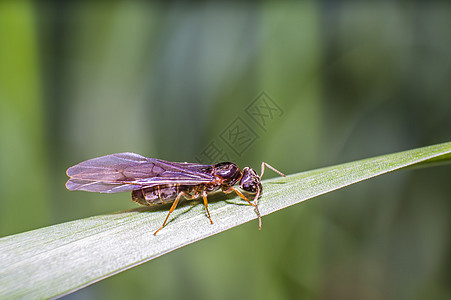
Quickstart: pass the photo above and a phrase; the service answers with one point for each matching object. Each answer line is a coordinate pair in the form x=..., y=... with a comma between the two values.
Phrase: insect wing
x=122, y=172
x=109, y=174
x=99, y=186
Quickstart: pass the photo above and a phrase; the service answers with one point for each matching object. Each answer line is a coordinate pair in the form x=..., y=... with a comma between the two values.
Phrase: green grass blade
x=58, y=259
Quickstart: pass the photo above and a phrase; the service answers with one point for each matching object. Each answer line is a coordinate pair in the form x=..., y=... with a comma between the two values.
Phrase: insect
x=155, y=181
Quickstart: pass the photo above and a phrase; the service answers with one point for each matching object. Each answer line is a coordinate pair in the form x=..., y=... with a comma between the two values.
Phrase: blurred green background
x=165, y=79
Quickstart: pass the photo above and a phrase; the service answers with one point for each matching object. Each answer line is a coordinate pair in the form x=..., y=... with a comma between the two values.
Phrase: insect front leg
x=232, y=189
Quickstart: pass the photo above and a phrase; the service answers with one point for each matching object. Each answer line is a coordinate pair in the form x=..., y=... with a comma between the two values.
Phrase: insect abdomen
x=156, y=195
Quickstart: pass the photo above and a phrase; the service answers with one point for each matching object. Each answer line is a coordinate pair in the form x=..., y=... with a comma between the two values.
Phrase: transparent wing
x=127, y=171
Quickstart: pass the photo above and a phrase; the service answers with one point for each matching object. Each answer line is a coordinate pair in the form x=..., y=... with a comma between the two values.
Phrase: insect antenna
x=272, y=168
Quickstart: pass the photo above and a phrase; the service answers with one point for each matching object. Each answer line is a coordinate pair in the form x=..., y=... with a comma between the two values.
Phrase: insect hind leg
x=204, y=196
x=174, y=205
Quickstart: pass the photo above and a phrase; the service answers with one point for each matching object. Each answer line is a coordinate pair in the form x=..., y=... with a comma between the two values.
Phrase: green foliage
x=58, y=259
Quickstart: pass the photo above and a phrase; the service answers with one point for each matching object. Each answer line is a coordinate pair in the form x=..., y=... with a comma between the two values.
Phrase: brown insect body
x=153, y=181
x=168, y=193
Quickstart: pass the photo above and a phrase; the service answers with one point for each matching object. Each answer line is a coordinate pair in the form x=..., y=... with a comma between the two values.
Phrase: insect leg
x=191, y=197
x=272, y=168
x=174, y=205
x=232, y=189
x=204, y=196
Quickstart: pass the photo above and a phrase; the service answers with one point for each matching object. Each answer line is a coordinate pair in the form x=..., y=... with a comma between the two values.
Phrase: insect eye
x=250, y=187
x=250, y=182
